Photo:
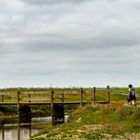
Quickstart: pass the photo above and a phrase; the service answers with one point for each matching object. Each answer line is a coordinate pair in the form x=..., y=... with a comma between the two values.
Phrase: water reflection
x=9, y=130
x=12, y=129
x=23, y=134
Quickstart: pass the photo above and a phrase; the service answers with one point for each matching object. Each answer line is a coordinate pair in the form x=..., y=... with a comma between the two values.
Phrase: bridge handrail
x=118, y=91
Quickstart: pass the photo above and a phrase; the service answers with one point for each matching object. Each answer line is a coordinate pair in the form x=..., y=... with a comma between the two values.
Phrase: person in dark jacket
x=131, y=95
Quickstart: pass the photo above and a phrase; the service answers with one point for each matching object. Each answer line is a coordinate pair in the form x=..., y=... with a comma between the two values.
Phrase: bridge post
x=57, y=110
x=2, y=98
x=58, y=114
x=52, y=98
x=81, y=96
x=63, y=116
x=3, y=135
x=29, y=98
x=94, y=94
x=25, y=113
x=62, y=97
x=18, y=129
x=52, y=105
x=108, y=91
x=18, y=106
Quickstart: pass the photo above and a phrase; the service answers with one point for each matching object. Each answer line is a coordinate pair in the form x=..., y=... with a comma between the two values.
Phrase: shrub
x=126, y=112
x=92, y=135
x=8, y=109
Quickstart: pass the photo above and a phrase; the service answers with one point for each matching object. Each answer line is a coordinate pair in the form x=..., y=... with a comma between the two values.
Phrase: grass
x=94, y=122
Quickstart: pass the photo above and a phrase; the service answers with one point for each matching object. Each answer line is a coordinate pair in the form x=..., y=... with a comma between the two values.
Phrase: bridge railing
x=8, y=96
x=24, y=97
x=79, y=95
x=69, y=95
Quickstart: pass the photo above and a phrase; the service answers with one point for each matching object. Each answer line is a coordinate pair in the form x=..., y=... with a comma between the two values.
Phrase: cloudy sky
x=69, y=43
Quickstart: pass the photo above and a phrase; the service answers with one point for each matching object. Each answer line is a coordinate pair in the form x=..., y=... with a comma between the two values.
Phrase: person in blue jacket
x=131, y=95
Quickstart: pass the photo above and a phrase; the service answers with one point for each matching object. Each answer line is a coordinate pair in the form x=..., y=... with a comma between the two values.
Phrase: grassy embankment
x=97, y=122
x=93, y=122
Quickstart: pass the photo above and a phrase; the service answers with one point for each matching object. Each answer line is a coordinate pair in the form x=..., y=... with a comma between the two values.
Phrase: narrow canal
x=10, y=129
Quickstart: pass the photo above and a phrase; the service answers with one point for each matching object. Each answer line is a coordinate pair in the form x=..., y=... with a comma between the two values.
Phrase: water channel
x=11, y=129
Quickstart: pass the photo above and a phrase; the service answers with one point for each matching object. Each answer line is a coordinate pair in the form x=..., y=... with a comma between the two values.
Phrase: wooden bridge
x=56, y=99
x=52, y=96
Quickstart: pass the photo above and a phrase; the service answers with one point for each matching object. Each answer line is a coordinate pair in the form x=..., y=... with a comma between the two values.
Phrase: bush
x=126, y=112
x=92, y=135
x=8, y=109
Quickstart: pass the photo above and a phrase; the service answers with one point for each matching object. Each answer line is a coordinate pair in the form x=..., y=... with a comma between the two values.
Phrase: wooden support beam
x=108, y=91
x=94, y=94
x=29, y=98
x=62, y=96
x=3, y=134
x=18, y=106
x=2, y=98
x=52, y=98
x=52, y=105
x=18, y=98
x=81, y=96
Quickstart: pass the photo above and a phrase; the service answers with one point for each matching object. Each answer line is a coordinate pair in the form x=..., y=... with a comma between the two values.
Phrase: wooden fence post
x=81, y=96
x=63, y=116
x=2, y=98
x=108, y=91
x=18, y=107
x=52, y=98
x=94, y=94
x=62, y=97
x=52, y=106
x=29, y=98
x=18, y=99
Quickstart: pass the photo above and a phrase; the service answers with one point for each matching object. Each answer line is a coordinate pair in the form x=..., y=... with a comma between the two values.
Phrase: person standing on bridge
x=131, y=95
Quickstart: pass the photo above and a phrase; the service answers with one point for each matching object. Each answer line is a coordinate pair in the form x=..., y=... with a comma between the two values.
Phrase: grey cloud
x=69, y=45
x=43, y=2
x=92, y=42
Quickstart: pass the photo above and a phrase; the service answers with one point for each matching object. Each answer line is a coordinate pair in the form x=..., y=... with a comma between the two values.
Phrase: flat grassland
x=96, y=121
